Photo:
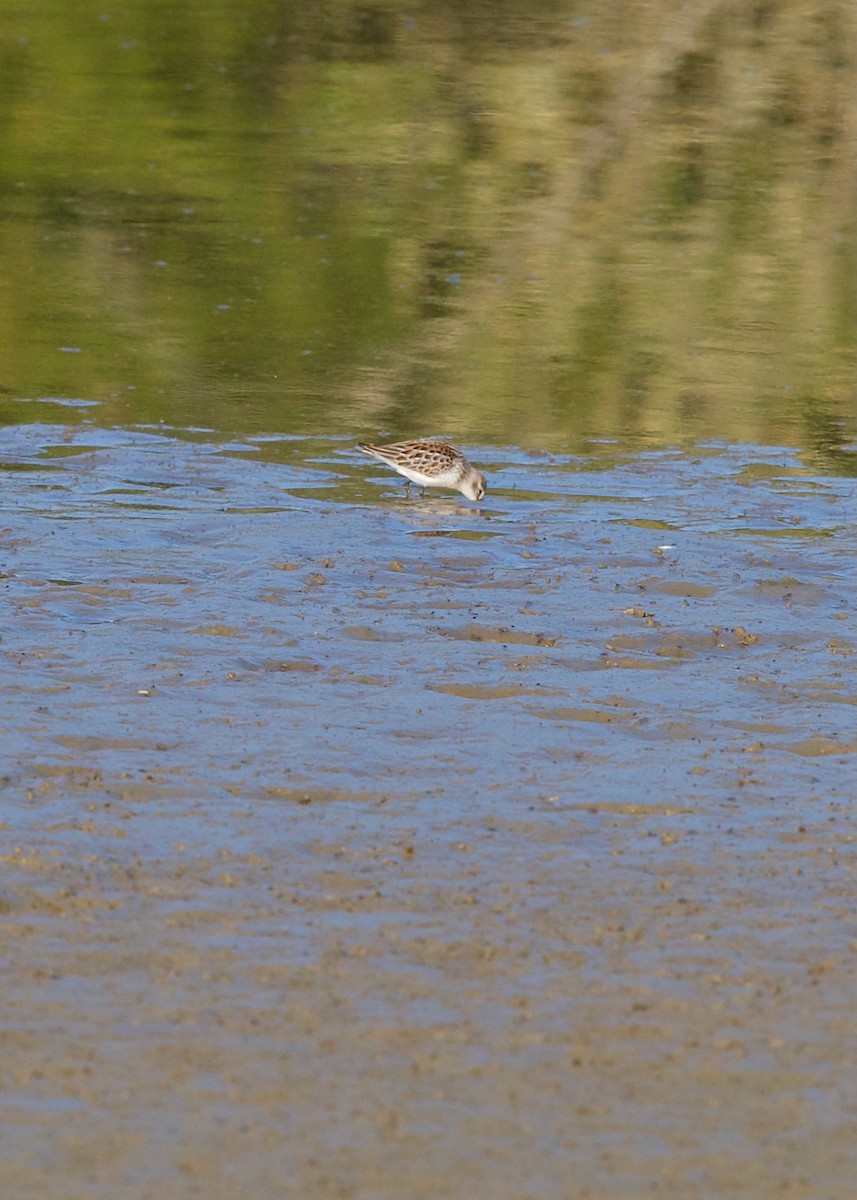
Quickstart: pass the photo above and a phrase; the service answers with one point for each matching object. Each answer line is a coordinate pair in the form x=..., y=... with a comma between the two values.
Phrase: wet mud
x=362, y=846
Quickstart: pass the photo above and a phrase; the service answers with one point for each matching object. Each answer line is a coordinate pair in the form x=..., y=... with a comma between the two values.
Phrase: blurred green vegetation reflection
x=511, y=223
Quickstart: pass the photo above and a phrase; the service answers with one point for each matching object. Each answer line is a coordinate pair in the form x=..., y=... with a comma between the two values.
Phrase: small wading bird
x=431, y=463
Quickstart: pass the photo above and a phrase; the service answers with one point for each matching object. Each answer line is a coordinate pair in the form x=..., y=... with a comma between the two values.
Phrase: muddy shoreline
x=354, y=847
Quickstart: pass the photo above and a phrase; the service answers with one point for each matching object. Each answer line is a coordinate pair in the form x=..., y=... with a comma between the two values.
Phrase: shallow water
x=301, y=608
x=492, y=805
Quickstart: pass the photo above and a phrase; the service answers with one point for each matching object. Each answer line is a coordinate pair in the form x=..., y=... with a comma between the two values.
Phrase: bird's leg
x=422, y=493
x=408, y=488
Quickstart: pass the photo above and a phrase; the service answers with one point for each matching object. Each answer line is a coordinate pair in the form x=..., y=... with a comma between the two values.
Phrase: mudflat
x=357, y=846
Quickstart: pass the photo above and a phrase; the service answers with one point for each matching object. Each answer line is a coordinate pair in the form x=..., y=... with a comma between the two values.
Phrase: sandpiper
x=431, y=463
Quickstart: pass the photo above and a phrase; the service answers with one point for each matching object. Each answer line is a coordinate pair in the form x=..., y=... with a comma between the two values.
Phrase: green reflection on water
x=632, y=222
